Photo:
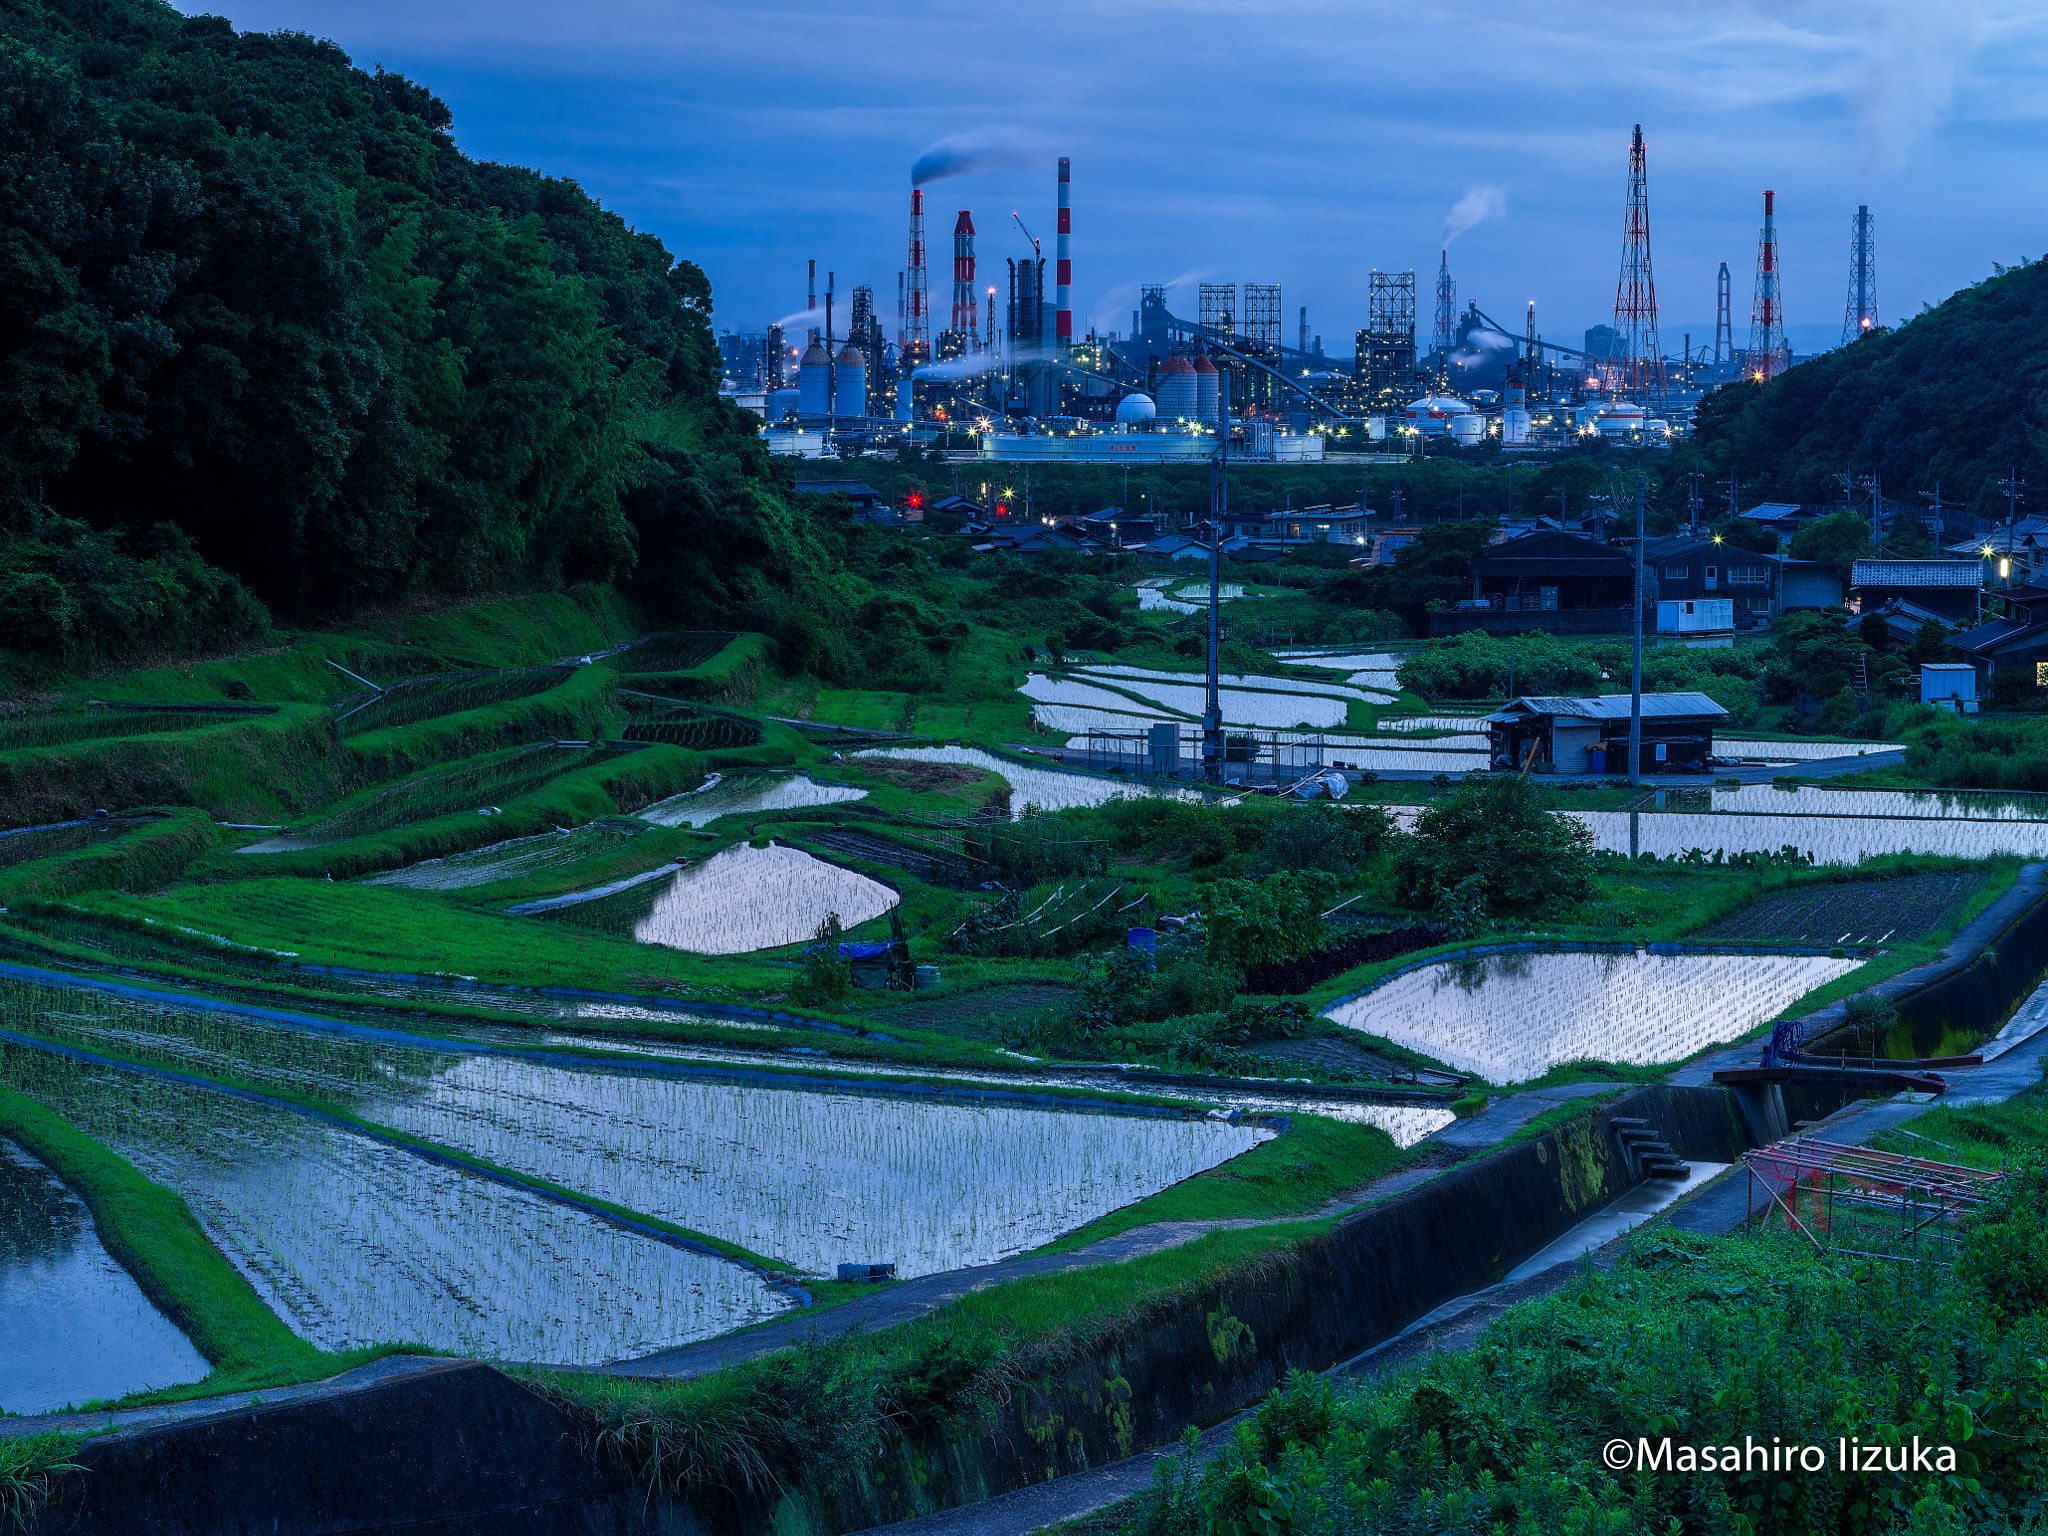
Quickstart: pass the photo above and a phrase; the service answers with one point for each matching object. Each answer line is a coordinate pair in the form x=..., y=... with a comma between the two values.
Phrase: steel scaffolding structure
x=1859, y=311
x=1638, y=365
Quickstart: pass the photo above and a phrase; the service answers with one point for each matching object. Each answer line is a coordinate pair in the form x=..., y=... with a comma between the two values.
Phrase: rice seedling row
x=1941, y=804
x=514, y=859
x=1247, y=680
x=63, y=729
x=1509, y=1018
x=1800, y=751
x=739, y=900
x=813, y=1177
x=408, y=703
x=353, y=1241
x=1828, y=839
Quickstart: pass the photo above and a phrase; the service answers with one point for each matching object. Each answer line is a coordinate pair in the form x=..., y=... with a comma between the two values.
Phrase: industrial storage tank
x=810, y=382
x=1177, y=389
x=1207, y=389
x=1468, y=428
x=780, y=403
x=1135, y=407
x=850, y=384
x=1432, y=415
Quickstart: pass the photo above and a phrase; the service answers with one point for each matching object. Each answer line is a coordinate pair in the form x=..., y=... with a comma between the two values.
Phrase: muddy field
x=1852, y=912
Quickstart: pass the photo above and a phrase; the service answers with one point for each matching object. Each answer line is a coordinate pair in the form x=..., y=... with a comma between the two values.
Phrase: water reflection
x=1510, y=1018
x=74, y=1326
x=747, y=794
x=353, y=1242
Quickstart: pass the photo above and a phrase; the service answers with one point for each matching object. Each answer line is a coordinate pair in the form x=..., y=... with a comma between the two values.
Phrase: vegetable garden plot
x=739, y=900
x=353, y=1241
x=745, y=794
x=807, y=1176
x=1046, y=788
x=1510, y=1018
x=75, y=1324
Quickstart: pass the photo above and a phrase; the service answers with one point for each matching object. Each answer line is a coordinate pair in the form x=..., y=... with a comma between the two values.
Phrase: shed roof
x=1916, y=573
x=1615, y=706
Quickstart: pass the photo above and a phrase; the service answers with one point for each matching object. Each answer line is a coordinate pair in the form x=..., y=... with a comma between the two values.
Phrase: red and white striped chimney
x=919, y=318
x=1063, y=273
x=963, y=274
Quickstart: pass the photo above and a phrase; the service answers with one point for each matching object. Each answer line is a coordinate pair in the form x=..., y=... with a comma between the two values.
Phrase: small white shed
x=1695, y=615
x=1949, y=684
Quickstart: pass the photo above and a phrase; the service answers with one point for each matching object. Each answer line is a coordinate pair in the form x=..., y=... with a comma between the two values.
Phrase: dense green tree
x=1840, y=538
x=1500, y=830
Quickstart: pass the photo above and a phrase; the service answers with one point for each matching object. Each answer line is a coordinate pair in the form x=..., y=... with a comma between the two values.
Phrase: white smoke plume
x=973, y=365
x=995, y=149
x=807, y=320
x=1475, y=207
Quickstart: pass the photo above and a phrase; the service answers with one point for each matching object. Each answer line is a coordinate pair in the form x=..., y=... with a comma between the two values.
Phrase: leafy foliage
x=1500, y=830
x=1255, y=923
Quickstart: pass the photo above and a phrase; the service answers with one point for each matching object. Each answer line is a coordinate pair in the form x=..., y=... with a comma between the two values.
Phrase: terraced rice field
x=1510, y=1018
x=745, y=795
x=1834, y=839
x=736, y=902
x=513, y=860
x=1047, y=789
x=1800, y=751
x=352, y=1241
x=814, y=1177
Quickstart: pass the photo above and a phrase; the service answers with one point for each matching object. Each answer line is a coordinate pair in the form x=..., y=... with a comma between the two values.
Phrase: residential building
x=2018, y=640
x=1306, y=525
x=1951, y=588
x=1685, y=566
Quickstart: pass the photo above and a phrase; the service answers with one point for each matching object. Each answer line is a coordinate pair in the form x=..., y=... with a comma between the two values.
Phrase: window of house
x=1674, y=572
x=1549, y=599
x=2041, y=674
x=1750, y=575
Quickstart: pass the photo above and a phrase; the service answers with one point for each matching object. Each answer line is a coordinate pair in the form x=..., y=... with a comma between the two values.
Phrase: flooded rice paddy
x=1800, y=751
x=810, y=1176
x=1829, y=839
x=1945, y=804
x=747, y=794
x=74, y=1326
x=739, y=900
x=352, y=1241
x=1048, y=789
x=1510, y=1018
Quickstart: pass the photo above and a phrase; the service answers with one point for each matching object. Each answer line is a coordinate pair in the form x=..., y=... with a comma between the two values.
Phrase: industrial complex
x=1007, y=378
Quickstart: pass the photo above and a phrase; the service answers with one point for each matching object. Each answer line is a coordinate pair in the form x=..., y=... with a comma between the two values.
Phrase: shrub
x=1255, y=923
x=1500, y=830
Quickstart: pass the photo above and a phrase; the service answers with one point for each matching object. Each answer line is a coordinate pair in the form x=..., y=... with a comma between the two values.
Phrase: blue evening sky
x=1302, y=143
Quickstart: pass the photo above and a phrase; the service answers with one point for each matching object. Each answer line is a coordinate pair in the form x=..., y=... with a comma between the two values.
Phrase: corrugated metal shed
x=1615, y=706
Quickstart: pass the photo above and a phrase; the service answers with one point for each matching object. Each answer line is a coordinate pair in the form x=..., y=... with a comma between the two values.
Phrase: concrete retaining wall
x=1968, y=1006
x=454, y=1450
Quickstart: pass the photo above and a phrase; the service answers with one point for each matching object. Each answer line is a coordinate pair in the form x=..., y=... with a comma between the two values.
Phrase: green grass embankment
x=153, y=1234
x=1297, y=1174
x=268, y=768
x=141, y=859
x=582, y=707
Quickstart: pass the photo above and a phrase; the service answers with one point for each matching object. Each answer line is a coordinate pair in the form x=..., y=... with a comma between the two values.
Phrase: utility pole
x=1635, y=684
x=1935, y=497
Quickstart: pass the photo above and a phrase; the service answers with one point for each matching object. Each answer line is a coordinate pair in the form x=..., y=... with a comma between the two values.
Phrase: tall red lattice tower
x=1765, y=359
x=919, y=348
x=1638, y=365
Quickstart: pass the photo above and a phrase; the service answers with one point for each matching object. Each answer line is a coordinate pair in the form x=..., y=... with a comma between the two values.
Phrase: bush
x=1256, y=923
x=1322, y=837
x=1500, y=830
x=826, y=979
x=2006, y=1253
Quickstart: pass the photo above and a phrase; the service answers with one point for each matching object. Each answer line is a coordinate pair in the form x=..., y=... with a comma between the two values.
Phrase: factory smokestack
x=1063, y=271
x=1766, y=359
x=964, y=319
x=811, y=294
x=918, y=347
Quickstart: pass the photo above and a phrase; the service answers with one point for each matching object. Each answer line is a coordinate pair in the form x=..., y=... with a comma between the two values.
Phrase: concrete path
x=389, y=1368
x=1718, y=1207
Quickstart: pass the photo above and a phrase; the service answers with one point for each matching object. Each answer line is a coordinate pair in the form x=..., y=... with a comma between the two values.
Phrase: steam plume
x=971, y=366
x=992, y=150
x=1475, y=207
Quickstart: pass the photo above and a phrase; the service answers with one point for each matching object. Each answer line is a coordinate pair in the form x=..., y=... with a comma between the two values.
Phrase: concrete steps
x=1648, y=1157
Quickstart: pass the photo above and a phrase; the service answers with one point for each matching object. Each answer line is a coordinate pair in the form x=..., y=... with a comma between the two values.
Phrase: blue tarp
x=864, y=951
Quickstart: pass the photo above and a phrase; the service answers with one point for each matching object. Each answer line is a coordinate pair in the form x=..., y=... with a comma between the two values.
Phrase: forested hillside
x=1953, y=395
x=267, y=337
